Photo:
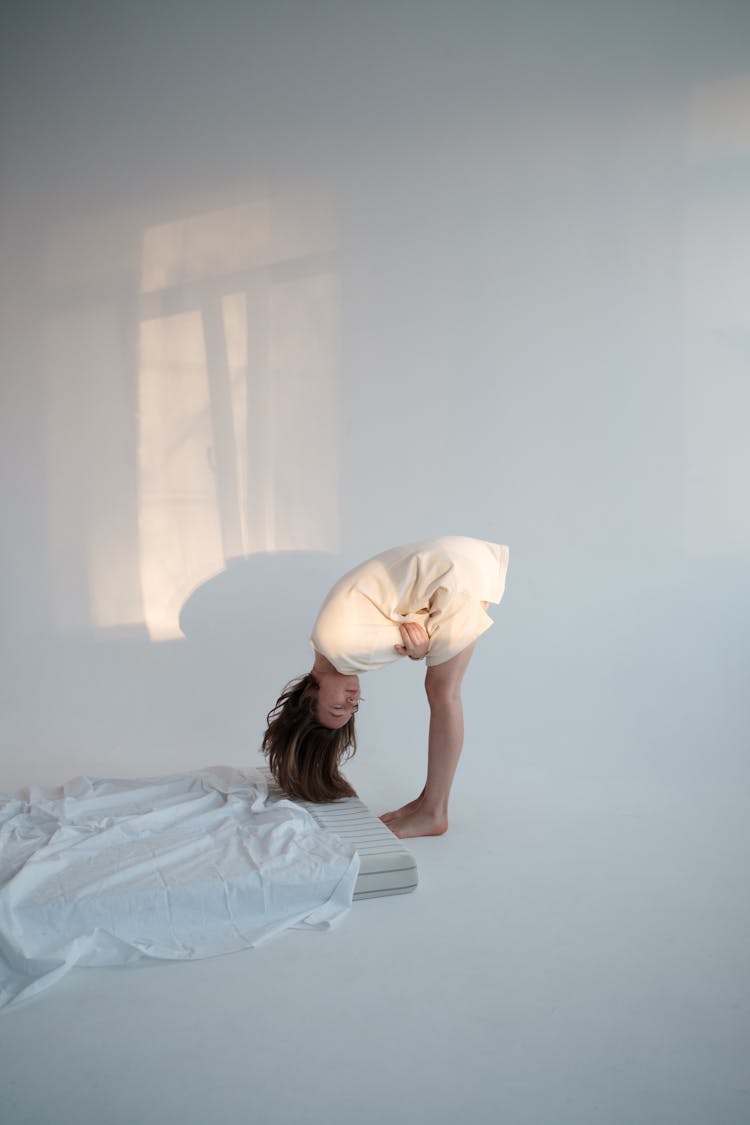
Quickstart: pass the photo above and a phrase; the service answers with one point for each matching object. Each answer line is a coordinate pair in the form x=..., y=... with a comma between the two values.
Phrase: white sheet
x=105, y=872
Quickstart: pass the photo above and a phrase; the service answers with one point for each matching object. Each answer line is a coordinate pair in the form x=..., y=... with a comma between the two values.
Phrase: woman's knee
x=442, y=691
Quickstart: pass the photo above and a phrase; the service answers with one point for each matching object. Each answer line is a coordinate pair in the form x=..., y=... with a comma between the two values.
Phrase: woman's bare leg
x=427, y=815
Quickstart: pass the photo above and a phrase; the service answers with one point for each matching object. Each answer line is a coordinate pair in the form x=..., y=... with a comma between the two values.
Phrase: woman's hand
x=415, y=642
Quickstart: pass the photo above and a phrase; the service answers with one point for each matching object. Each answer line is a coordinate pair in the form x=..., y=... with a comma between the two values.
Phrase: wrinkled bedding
x=105, y=872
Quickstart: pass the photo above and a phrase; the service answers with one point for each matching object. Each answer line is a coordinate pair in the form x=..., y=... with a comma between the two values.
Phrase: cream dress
x=439, y=583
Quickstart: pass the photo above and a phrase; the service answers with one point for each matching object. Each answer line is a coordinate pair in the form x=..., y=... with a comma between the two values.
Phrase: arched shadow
x=269, y=598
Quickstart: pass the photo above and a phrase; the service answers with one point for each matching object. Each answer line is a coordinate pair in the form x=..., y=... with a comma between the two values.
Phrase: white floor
x=576, y=954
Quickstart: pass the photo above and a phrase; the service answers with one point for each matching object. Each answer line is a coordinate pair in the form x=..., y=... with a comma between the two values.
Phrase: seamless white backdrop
x=332, y=277
x=284, y=285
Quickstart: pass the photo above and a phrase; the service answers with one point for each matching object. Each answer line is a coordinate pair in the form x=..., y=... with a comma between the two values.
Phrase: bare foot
x=388, y=817
x=404, y=810
x=413, y=820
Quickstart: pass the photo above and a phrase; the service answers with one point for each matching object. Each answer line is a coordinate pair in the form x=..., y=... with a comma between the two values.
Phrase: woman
x=426, y=601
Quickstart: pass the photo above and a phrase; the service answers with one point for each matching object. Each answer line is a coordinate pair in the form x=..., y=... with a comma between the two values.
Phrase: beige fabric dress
x=439, y=583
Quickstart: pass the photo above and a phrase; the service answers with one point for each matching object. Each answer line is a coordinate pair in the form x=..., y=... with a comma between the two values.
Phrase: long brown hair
x=303, y=755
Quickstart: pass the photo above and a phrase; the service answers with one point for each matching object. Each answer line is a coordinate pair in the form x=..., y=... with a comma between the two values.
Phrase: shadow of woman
x=248, y=627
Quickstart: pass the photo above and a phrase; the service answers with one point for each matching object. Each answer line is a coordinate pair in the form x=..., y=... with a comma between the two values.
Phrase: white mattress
x=386, y=866
x=106, y=871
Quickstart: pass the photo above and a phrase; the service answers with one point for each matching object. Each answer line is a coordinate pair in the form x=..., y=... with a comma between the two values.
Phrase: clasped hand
x=415, y=641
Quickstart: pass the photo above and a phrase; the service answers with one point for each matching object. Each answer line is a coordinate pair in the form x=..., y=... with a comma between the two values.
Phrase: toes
x=390, y=818
x=400, y=814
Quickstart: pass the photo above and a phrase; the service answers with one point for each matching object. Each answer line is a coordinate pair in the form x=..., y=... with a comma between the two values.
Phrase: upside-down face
x=338, y=700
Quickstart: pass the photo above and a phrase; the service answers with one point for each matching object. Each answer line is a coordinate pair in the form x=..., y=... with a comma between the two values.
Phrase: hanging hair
x=303, y=755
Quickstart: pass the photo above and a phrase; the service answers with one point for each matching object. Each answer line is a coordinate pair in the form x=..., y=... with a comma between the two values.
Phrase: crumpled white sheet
x=105, y=872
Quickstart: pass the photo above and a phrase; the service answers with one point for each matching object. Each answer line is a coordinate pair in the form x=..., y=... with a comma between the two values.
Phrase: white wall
x=317, y=278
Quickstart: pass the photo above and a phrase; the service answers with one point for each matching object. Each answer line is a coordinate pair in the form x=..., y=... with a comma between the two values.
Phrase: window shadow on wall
x=191, y=392
x=716, y=517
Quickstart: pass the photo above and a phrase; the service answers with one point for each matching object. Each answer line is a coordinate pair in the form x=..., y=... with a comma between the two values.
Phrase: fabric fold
x=105, y=872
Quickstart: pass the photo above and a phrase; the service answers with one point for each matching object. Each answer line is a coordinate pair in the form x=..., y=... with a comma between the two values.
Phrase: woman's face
x=338, y=700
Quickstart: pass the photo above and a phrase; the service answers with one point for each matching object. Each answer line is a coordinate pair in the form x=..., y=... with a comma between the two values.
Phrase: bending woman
x=422, y=601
